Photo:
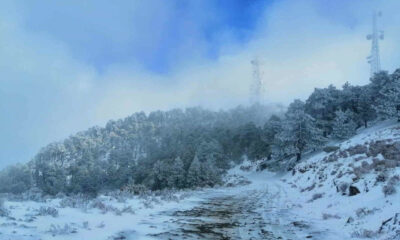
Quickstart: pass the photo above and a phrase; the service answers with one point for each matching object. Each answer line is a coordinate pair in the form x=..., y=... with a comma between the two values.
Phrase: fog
x=99, y=61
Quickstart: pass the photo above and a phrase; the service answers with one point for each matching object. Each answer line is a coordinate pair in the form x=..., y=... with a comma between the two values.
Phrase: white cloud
x=300, y=49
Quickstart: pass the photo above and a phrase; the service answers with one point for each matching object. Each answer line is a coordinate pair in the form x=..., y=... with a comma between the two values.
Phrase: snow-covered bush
x=33, y=194
x=104, y=208
x=58, y=230
x=3, y=211
x=362, y=212
x=78, y=201
x=126, y=209
x=360, y=171
x=120, y=195
x=390, y=187
x=48, y=211
x=364, y=233
x=382, y=177
x=169, y=196
x=15, y=179
x=136, y=189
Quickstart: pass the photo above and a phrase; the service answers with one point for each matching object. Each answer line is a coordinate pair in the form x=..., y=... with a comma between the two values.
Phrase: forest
x=195, y=147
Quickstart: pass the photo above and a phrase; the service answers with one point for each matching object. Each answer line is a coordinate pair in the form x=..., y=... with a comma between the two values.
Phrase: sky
x=68, y=65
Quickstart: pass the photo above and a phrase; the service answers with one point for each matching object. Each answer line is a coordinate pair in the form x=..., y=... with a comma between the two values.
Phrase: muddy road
x=225, y=216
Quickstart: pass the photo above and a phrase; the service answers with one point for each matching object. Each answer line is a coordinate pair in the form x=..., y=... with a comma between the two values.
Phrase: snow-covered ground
x=324, y=188
x=336, y=195
x=106, y=217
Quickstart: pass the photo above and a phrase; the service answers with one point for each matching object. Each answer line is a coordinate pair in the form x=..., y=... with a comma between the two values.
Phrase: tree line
x=195, y=147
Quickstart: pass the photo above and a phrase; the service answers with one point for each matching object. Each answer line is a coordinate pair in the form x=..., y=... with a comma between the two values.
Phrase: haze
x=66, y=66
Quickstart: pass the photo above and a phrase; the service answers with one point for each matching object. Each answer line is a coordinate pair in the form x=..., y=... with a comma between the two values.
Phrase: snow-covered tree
x=193, y=177
x=299, y=131
x=271, y=130
x=176, y=177
x=344, y=126
x=366, y=111
x=385, y=91
x=321, y=105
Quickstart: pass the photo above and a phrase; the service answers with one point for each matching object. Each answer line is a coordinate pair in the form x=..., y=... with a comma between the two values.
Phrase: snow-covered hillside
x=349, y=193
x=354, y=190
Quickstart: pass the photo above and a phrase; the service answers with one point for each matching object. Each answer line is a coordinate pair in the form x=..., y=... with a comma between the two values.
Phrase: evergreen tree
x=193, y=177
x=366, y=111
x=344, y=126
x=321, y=105
x=388, y=96
x=209, y=173
x=176, y=178
x=299, y=131
x=271, y=130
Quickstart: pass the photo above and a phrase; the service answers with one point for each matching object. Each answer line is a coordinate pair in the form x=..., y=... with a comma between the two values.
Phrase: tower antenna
x=374, y=59
x=257, y=88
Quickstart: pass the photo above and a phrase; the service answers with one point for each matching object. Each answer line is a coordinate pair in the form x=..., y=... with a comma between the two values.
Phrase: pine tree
x=209, y=173
x=389, y=97
x=271, y=130
x=193, y=177
x=321, y=105
x=344, y=126
x=365, y=109
x=177, y=176
x=299, y=131
x=385, y=90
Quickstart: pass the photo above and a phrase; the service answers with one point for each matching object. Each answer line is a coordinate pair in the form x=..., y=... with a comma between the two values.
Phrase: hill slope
x=353, y=189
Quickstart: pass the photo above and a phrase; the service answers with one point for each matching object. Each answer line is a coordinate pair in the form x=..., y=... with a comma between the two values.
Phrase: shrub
x=364, y=233
x=381, y=177
x=358, y=149
x=389, y=189
x=58, y=230
x=362, y=212
x=394, y=180
x=77, y=201
x=3, y=211
x=48, y=211
x=15, y=179
x=97, y=203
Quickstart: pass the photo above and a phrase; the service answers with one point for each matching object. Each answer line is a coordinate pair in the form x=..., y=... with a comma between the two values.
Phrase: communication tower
x=374, y=59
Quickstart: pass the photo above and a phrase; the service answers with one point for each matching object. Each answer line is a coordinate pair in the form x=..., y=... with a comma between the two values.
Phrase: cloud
x=49, y=90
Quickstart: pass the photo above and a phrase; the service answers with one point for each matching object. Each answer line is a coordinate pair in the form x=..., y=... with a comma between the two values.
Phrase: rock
x=350, y=220
x=353, y=191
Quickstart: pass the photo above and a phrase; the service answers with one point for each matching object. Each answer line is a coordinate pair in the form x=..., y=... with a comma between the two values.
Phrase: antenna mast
x=374, y=58
x=257, y=87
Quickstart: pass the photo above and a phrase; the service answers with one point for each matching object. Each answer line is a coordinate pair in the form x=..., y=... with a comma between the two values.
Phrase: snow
x=99, y=225
x=371, y=200
x=292, y=205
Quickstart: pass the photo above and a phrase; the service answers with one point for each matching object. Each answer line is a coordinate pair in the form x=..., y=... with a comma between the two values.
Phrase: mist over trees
x=195, y=147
